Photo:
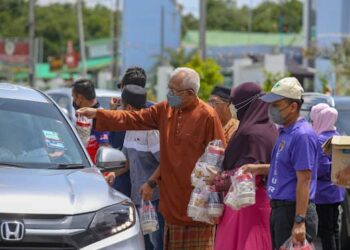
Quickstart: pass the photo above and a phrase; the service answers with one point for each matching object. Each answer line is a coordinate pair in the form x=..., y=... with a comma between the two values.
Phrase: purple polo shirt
x=326, y=192
x=296, y=149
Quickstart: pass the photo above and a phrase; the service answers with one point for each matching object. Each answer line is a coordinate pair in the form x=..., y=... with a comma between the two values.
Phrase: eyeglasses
x=216, y=102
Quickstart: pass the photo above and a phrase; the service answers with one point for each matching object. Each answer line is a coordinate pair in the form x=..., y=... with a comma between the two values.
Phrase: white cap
x=288, y=87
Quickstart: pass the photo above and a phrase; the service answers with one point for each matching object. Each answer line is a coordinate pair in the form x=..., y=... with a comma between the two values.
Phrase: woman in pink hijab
x=328, y=195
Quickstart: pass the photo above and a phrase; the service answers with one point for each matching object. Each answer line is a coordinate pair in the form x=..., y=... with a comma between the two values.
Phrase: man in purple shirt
x=293, y=172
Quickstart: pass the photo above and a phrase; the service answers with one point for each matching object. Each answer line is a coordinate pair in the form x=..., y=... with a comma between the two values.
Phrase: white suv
x=51, y=194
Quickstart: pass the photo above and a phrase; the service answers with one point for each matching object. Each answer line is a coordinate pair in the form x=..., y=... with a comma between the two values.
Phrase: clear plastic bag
x=198, y=201
x=148, y=217
x=215, y=153
x=242, y=191
x=215, y=206
x=209, y=164
x=83, y=126
x=198, y=206
x=288, y=245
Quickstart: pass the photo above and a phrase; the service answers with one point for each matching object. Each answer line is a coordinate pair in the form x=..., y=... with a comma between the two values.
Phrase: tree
x=340, y=58
x=271, y=79
x=266, y=17
x=56, y=24
x=209, y=72
x=178, y=57
x=188, y=22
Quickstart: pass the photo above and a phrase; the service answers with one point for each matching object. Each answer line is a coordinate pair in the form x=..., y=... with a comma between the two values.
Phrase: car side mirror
x=110, y=159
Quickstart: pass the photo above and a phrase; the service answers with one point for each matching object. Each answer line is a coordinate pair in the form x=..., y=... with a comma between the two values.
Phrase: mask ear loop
x=246, y=102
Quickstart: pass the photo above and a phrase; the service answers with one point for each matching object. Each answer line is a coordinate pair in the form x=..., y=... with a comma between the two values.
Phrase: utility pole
x=307, y=28
x=115, y=41
x=202, y=28
x=81, y=38
x=31, y=43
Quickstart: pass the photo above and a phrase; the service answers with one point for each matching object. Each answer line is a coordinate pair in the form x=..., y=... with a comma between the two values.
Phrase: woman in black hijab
x=247, y=228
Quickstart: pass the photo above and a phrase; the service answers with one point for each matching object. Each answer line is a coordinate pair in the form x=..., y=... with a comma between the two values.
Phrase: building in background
x=332, y=25
x=148, y=27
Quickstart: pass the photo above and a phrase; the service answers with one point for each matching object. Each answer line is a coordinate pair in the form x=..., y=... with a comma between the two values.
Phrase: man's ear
x=295, y=107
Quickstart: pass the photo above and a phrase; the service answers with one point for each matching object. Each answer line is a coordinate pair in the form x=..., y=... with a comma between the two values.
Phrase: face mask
x=174, y=100
x=275, y=115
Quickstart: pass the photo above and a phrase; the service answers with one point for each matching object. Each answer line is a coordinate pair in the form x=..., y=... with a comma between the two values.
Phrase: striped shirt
x=141, y=149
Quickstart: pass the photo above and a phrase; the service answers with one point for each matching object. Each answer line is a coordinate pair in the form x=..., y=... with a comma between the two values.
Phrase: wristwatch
x=298, y=219
x=152, y=183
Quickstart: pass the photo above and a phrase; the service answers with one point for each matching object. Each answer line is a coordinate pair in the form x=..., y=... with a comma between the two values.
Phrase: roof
x=18, y=92
x=231, y=38
x=102, y=41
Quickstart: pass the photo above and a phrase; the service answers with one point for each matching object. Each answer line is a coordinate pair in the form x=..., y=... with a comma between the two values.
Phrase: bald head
x=186, y=78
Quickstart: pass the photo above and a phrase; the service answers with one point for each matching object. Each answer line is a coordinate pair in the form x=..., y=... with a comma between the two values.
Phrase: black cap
x=134, y=75
x=135, y=96
x=222, y=92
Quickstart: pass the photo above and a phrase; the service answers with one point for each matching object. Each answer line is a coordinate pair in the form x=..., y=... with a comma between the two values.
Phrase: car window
x=62, y=100
x=35, y=135
x=343, y=123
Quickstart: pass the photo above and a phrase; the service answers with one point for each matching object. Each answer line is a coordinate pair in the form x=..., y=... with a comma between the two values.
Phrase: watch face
x=299, y=219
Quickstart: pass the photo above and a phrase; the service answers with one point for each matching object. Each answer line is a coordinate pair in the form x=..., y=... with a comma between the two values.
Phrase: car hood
x=65, y=192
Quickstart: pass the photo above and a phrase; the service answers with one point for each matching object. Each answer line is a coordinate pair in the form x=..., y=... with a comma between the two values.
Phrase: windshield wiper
x=68, y=166
x=6, y=164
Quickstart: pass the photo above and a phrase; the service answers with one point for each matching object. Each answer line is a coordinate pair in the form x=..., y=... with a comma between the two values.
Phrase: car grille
x=35, y=246
x=47, y=232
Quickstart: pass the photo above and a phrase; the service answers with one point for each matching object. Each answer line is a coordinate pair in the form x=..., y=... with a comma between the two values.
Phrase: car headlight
x=114, y=219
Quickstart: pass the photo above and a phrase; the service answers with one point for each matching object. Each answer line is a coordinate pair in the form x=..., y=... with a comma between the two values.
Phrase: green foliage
x=340, y=57
x=188, y=22
x=222, y=17
x=265, y=17
x=56, y=24
x=209, y=72
x=271, y=79
x=178, y=57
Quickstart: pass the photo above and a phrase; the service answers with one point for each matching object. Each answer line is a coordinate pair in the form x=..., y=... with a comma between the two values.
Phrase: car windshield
x=36, y=135
x=343, y=122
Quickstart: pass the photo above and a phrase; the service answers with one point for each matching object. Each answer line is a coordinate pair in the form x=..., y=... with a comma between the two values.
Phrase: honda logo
x=12, y=230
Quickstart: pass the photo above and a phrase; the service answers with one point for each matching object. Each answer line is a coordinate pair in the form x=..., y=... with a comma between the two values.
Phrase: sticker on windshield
x=53, y=140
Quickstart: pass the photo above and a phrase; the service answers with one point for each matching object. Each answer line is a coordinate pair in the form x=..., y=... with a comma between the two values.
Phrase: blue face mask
x=174, y=101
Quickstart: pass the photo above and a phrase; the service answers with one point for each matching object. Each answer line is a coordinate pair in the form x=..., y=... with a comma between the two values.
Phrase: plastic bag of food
x=242, y=191
x=231, y=198
x=148, y=217
x=214, y=154
x=288, y=245
x=198, y=201
x=83, y=126
x=215, y=206
x=209, y=164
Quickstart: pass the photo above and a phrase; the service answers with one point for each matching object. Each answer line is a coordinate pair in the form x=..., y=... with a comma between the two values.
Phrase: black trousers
x=282, y=221
x=328, y=227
